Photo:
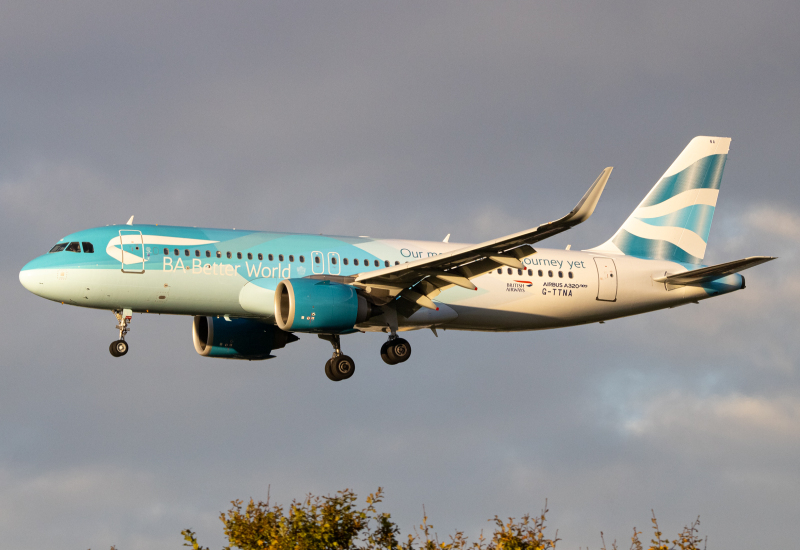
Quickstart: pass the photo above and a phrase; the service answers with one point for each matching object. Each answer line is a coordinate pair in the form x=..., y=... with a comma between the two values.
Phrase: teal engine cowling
x=312, y=305
x=237, y=338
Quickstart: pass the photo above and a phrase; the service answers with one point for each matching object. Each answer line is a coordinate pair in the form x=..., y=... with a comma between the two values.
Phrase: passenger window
x=177, y=252
x=219, y=254
x=186, y=251
x=166, y=251
x=397, y=263
x=58, y=248
x=260, y=256
x=540, y=273
x=239, y=255
x=549, y=273
x=530, y=273
x=228, y=254
x=208, y=253
x=499, y=270
x=345, y=261
x=366, y=263
x=386, y=263
x=88, y=248
x=355, y=261
x=560, y=274
x=302, y=259
x=570, y=274
x=377, y=263
x=509, y=271
x=73, y=247
x=316, y=259
x=270, y=257
x=333, y=260
x=249, y=255
x=280, y=257
x=519, y=272
x=291, y=258
x=197, y=253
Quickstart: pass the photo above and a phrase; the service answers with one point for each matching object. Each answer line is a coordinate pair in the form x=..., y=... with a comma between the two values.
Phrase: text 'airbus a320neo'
x=251, y=292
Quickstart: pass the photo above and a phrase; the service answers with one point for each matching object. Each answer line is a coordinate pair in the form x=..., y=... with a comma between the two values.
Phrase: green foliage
x=337, y=523
x=688, y=538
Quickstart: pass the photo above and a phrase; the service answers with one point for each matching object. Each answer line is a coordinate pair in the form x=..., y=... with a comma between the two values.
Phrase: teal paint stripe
x=652, y=249
x=696, y=218
x=706, y=173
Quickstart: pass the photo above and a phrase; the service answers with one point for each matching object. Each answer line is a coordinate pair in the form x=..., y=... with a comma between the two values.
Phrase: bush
x=337, y=523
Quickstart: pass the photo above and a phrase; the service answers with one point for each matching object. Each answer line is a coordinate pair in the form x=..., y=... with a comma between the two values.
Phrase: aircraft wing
x=430, y=275
x=714, y=272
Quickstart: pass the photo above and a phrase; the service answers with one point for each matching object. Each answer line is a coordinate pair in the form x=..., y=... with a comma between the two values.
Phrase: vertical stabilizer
x=674, y=219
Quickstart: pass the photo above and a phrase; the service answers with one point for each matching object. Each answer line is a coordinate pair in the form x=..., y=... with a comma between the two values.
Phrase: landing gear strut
x=396, y=350
x=118, y=348
x=340, y=366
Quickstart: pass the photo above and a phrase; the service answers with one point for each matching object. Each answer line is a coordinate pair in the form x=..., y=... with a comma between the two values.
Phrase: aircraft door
x=317, y=263
x=132, y=245
x=606, y=279
x=333, y=263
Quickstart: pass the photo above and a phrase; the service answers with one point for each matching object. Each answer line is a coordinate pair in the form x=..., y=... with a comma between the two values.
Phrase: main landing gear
x=340, y=366
x=396, y=350
x=118, y=348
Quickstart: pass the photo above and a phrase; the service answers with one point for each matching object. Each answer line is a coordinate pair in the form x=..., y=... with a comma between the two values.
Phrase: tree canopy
x=336, y=522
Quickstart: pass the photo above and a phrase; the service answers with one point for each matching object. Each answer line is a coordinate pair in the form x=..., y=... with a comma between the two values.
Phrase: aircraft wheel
x=329, y=372
x=342, y=367
x=385, y=354
x=398, y=350
x=118, y=348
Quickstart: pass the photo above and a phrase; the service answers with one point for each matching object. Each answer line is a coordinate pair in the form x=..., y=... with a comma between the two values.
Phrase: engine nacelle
x=311, y=305
x=238, y=338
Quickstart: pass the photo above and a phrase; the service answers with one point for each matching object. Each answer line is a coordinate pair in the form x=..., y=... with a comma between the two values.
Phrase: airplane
x=251, y=292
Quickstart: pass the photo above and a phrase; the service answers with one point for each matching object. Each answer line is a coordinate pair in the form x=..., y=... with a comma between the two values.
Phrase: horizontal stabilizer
x=712, y=273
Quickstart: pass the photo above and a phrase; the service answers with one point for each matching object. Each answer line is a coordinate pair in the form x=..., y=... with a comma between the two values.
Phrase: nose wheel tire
x=395, y=351
x=340, y=368
x=118, y=348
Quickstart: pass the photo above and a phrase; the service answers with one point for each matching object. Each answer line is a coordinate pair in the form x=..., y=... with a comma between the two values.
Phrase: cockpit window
x=73, y=247
x=88, y=248
x=58, y=248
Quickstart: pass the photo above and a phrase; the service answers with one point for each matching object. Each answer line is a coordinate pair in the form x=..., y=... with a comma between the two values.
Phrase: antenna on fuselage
x=130, y=221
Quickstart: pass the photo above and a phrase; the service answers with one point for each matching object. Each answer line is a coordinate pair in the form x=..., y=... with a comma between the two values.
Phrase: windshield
x=58, y=248
x=73, y=247
x=88, y=247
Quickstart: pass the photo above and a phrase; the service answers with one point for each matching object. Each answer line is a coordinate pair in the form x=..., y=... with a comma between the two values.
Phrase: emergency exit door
x=606, y=279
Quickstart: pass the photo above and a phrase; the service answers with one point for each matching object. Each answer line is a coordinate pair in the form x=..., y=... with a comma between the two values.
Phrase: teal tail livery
x=674, y=219
x=250, y=293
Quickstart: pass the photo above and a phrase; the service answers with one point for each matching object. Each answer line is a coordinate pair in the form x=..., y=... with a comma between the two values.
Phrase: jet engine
x=311, y=305
x=237, y=338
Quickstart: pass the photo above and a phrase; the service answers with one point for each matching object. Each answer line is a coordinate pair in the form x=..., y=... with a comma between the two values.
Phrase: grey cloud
x=406, y=120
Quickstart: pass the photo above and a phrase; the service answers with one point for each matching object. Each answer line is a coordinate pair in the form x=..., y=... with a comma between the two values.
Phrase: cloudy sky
x=401, y=119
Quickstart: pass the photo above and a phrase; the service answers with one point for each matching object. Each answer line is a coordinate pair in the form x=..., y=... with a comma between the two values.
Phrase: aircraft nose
x=31, y=278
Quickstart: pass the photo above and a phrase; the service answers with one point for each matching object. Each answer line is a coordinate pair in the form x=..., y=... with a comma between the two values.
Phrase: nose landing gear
x=118, y=348
x=340, y=366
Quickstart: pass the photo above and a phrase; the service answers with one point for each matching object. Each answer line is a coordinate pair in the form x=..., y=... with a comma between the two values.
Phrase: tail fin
x=674, y=219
